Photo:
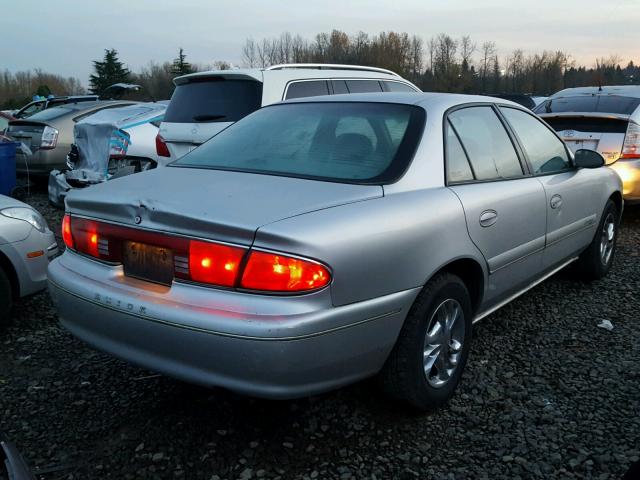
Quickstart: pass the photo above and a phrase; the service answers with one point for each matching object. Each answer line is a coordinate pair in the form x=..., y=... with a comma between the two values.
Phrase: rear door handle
x=488, y=218
x=556, y=201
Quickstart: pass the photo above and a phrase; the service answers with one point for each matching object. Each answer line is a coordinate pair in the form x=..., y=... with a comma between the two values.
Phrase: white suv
x=204, y=103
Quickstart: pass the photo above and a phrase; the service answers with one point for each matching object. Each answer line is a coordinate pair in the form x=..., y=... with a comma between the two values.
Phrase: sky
x=64, y=36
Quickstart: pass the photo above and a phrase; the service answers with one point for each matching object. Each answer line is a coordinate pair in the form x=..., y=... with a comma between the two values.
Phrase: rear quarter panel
x=379, y=246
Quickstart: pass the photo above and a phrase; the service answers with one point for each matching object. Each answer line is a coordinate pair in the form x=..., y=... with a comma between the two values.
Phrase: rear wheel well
x=616, y=197
x=470, y=272
x=7, y=267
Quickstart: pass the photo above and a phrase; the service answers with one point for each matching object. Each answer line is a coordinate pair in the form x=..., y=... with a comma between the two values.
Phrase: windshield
x=343, y=141
x=214, y=100
x=590, y=103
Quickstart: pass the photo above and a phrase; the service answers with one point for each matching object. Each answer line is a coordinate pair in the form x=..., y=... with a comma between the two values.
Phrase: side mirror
x=585, y=158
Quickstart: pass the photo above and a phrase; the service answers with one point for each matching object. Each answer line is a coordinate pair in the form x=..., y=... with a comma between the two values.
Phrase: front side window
x=491, y=153
x=313, y=88
x=545, y=151
x=338, y=141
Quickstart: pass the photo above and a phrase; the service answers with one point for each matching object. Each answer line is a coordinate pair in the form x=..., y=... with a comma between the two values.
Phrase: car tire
x=411, y=373
x=6, y=296
x=595, y=262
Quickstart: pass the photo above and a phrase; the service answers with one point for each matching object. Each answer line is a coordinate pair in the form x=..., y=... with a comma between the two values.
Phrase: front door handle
x=556, y=201
x=488, y=218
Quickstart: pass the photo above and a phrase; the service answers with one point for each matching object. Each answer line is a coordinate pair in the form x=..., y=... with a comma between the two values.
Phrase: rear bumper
x=41, y=162
x=272, y=347
x=629, y=173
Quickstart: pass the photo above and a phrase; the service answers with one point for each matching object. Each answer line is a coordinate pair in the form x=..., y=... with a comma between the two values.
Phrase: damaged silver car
x=320, y=241
x=108, y=144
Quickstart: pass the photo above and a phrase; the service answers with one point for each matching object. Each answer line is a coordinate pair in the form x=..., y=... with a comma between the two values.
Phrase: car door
x=503, y=205
x=571, y=212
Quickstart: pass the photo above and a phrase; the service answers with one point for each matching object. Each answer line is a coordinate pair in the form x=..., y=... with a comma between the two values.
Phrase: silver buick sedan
x=321, y=241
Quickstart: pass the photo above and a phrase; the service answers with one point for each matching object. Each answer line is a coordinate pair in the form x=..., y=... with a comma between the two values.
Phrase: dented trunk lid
x=212, y=204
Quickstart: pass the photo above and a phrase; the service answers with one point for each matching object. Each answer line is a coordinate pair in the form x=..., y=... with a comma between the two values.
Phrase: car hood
x=6, y=202
x=214, y=204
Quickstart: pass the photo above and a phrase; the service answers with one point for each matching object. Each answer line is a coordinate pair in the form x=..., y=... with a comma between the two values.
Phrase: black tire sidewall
x=591, y=262
x=448, y=287
x=5, y=298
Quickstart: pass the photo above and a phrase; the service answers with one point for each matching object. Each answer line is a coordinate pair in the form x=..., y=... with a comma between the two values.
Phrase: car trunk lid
x=212, y=204
x=27, y=132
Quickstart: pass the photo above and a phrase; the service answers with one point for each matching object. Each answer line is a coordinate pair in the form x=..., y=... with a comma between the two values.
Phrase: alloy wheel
x=443, y=343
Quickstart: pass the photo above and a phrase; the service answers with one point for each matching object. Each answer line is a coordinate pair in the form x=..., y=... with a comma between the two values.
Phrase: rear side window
x=590, y=103
x=458, y=169
x=396, y=87
x=545, y=151
x=313, y=88
x=363, y=86
x=342, y=141
x=339, y=87
x=214, y=100
x=491, y=153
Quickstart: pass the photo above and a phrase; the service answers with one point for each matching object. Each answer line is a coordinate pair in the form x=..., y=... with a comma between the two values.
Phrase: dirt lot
x=546, y=394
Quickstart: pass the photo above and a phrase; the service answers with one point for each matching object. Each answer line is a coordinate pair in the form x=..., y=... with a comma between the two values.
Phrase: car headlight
x=26, y=214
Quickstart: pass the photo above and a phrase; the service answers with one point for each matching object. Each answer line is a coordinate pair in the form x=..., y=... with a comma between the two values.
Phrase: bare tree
x=488, y=53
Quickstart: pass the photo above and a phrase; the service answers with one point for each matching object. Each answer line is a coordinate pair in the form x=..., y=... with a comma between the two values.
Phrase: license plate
x=575, y=145
x=147, y=262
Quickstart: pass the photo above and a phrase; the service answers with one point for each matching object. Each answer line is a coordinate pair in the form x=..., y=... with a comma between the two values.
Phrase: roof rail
x=331, y=66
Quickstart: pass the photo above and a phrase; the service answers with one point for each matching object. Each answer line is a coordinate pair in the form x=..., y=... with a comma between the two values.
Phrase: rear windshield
x=214, y=100
x=588, y=124
x=50, y=114
x=590, y=103
x=350, y=142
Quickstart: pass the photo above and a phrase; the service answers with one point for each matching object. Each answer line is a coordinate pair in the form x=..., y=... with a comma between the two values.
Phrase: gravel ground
x=546, y=394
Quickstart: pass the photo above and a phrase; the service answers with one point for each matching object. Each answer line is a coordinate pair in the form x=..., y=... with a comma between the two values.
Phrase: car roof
x=294, y=72
x=424, y=99
x=622, y=90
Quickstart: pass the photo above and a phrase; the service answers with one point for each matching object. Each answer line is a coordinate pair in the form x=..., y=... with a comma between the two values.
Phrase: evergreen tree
x=180, y=65
x=107, y=72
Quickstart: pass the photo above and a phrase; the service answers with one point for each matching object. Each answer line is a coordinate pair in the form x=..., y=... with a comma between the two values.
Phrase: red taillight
x=66, y=231
x=631, y=146
x=161, y=147
x=280, y=273
x=214, y=263
x=199, y=261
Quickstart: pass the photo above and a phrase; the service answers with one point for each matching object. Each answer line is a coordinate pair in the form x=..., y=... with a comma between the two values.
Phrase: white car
x=205, y=103
x=26, y=247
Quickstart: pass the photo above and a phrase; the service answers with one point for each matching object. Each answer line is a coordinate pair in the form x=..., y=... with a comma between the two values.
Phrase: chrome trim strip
x=481, y=315
x=567, y=231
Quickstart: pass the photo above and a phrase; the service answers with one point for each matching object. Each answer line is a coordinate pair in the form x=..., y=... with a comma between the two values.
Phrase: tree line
x=442, y=63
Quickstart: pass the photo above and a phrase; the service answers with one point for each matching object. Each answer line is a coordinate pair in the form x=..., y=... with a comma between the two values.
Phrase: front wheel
x=595, y=262
x=426, y=363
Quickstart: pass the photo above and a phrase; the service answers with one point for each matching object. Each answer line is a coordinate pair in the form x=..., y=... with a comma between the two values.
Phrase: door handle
x=488, y=218
x=556, y=201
